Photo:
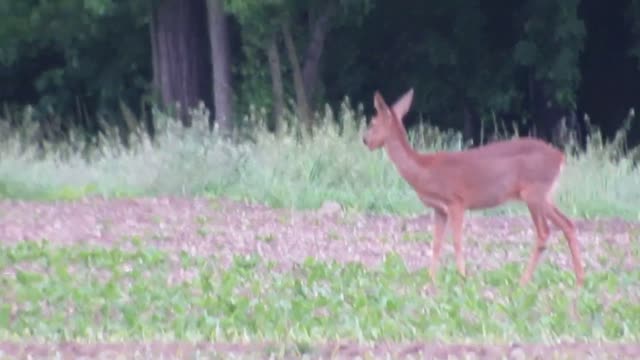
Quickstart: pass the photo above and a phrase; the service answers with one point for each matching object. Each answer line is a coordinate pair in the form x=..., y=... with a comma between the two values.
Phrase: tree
x=181, y=56
x=305, y=23
x=302, y=99
x=548, y=52
x=469, y=61
x=220, y=55
x=633, y=17
x=321, y=17
x=456, y=54
x=74, y=58
x=260, y=21
x=277, y=88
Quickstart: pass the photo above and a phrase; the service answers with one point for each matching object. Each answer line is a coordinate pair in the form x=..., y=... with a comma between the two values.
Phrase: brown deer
x=450, y=182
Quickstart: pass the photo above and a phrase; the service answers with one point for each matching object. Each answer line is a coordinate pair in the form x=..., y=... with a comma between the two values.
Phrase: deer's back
x=491, y=174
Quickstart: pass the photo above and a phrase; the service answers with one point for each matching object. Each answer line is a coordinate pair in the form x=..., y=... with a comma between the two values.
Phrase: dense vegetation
x=527, y=64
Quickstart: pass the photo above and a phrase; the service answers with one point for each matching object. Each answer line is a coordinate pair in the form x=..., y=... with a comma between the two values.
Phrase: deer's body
x=470, y=180
x=524, y=169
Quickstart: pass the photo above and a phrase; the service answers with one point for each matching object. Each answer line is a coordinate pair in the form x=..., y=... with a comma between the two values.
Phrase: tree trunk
x=277, y=88
x=220, y=56
x=302, y=104
x=471, y=120
x=181, y=66
x=467, y=126
x=567, y=132
x=319, y=27
x=156, y=81
x=546, y=111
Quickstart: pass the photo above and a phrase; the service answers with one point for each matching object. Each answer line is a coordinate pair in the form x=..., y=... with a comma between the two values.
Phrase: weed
x=267, y=238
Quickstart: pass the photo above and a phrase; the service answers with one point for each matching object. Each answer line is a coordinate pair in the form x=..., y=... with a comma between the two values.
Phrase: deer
x=523, y=169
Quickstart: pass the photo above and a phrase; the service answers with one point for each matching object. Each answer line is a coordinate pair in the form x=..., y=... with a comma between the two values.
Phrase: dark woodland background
x=472, y=63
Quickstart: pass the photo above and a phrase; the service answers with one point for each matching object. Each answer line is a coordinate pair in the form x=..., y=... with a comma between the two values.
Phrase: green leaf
x=5, y=316
x=526, y=53
x=28, y=278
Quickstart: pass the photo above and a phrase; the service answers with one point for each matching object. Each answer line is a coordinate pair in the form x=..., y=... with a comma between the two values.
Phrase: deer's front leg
x=456, y=216
x=440, y=224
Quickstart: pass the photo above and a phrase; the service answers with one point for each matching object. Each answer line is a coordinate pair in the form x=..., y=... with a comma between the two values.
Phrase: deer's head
x=386, y=122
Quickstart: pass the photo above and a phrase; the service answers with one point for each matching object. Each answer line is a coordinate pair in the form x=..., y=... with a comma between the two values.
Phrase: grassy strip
x=79, y=293
x=282, y=171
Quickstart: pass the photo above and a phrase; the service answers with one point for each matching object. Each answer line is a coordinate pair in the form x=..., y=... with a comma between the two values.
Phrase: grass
x=280, y=170
x=85, y=293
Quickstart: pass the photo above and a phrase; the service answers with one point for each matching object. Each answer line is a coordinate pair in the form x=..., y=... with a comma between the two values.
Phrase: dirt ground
x=327, y=351
x=226, y=228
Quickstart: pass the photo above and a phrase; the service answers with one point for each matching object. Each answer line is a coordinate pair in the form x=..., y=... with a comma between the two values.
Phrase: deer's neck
x=404, y=157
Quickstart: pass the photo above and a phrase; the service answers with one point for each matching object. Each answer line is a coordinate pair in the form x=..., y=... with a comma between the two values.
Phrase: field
x=225, y=271
x=194, y=247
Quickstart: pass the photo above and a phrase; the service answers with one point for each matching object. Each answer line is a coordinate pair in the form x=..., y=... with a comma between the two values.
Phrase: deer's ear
x=401, y=107
x=379, y=103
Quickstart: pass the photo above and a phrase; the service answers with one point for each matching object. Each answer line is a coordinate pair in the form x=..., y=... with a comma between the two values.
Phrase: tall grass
x=278, y=169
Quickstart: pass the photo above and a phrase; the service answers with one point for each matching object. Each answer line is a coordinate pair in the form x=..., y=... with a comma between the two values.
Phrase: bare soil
x=153, y=350
x=225, y=228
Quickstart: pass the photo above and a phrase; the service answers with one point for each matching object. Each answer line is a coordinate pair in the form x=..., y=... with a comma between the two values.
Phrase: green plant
x=57, y=293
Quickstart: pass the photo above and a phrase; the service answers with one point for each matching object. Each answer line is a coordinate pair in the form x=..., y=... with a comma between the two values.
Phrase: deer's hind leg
x=534, y=197
x=569, y=231
x=542, y=234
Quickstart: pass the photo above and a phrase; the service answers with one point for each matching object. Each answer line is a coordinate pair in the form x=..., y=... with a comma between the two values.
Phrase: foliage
x=552, y=42
x=79, y=58
x=261, y=22
x=75, y=56
x=455, y=54
x=633, y=17
x=260, y=18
